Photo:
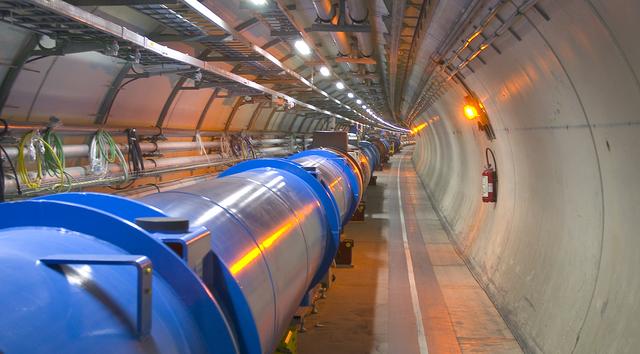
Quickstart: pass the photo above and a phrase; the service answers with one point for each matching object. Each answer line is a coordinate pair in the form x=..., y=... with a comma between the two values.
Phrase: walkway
x=409, y=291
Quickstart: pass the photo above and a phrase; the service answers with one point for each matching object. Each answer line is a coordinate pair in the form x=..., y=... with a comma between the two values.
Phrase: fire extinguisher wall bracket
x=490, y=179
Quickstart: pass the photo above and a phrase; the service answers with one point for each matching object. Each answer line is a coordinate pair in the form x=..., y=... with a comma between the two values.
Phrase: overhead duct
x=325, y=10
x=326, y=13
x=358, y=13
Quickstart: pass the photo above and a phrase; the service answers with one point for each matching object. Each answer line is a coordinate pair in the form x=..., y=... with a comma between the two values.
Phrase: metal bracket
x=143, y=267
x=318, y=27
x=313, y=171
x=164, y=71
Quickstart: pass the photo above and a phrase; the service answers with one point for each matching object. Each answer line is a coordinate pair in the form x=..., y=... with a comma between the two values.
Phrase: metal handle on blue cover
x=143, y=267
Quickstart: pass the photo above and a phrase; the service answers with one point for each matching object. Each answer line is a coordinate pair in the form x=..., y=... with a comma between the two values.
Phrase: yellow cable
x=21, y=167
x=23, y=173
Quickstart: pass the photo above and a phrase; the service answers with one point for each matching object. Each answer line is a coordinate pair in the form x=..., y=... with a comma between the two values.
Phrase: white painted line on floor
x=422, y=340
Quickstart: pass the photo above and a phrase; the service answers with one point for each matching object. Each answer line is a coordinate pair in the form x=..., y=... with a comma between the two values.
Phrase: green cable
x=50, y=158
x=51, y=164
x=107, y=151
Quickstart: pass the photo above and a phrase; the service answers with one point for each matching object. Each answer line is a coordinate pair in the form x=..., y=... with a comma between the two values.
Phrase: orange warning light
x=471, y=112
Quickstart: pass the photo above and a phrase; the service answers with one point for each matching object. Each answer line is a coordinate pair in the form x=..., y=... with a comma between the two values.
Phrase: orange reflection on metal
x=282, y=229
x=337, y=180
x=245, y=260
x=364, y=161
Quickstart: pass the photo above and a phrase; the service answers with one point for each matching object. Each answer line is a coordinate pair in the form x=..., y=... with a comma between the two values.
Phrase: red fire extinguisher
x=489, y=179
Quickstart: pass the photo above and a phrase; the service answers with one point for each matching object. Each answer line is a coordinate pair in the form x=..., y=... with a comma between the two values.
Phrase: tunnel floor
x=373, y=307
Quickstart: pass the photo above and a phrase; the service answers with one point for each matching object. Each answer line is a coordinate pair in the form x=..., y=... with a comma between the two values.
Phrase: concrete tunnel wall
x=559, y=252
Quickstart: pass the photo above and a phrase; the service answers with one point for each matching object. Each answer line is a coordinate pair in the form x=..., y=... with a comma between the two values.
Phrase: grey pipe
x=81, y=150
x=115, y=171
x=139, y=192
x=175, y=146
x=275, y=151
x=179, y=161
x=24, y=127
x=81, y=172
x=266, y=142
x=69, y=151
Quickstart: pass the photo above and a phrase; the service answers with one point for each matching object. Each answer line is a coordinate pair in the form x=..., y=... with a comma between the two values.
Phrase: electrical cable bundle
x=241, y=146
x=136, y=159
x=50, y=163
x=203, y=151
x=225, y=147
x=249, y=146
x=104, y=151
x=46, y=158
x=236, y=146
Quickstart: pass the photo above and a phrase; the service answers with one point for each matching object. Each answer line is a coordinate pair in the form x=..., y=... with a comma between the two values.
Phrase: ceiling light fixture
x=358, y=101
x=325, y=71
x=340, y=85
x=302, y=47
x=259, y=2
x=350, y=95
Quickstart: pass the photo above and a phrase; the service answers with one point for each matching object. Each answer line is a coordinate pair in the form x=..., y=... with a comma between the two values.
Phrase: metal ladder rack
x=62, y=21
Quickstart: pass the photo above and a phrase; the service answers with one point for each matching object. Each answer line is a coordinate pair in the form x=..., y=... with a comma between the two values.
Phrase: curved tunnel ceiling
x=391, y=56
x=239, y=53
x=252, y=46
